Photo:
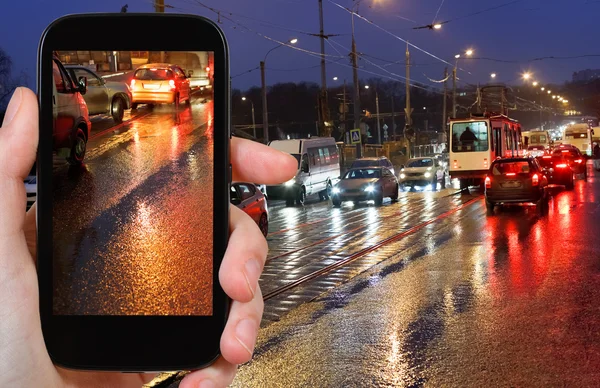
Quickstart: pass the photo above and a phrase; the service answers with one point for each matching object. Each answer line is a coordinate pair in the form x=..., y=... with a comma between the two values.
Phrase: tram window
x=470, y=137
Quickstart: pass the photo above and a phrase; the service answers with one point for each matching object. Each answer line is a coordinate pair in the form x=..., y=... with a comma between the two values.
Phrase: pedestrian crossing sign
x=355, y=136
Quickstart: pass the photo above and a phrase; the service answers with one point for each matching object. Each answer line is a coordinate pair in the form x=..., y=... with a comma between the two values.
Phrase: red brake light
x=535, y=180
x=565, y=151
x=488, y=182
x=546, y=157
x=561, y=165
x=132, y=83
x=578, y=160
x=510, y=174
x=207, y=69
x=172, y=84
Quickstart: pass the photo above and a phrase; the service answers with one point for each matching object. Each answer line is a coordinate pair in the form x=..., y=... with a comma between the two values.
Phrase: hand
x=24, y=361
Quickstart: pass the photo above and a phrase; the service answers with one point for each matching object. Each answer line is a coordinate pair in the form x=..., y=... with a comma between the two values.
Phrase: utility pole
x=408, y=109
x=454, y=90
x=325, y=129
x=344, y=109
x=253, y=121
x=159, y=6
x=379, y=138
x=393, y=120
x=264, y=102
x=356, y=90
x=444, y=109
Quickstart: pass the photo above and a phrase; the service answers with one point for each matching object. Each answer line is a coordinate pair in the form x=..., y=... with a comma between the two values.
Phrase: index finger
x=256, y=163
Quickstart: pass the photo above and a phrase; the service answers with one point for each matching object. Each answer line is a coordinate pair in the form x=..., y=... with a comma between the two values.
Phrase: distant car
x=103, y=97
x=160, y=83
x=250, y=199
x=363, y=184
x=71, y=119
x=536, y=150
x=423, y=172
x=515, y=180
x=574, y=157
x=381, y=161
x=557, y=170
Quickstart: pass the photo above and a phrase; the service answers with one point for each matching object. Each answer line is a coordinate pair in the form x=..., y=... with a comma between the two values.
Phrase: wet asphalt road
x=123, y=219
x=457, y=299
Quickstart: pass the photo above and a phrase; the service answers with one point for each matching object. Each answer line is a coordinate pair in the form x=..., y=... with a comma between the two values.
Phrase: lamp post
x=264, y=88
x=253, y=119
x=457, y=57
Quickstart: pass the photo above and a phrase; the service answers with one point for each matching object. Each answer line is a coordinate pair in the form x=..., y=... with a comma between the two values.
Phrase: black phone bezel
x=133, y=343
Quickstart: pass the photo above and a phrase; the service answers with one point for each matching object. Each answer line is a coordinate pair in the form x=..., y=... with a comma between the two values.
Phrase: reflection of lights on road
x=174, y=143
x=136, y=137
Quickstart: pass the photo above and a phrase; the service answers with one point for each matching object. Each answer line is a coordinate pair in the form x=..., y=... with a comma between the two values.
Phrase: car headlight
x=427, y=174
x=402, y=176
x=290, y=182
x=335, y=190
x=369, y=189
x=428, y=168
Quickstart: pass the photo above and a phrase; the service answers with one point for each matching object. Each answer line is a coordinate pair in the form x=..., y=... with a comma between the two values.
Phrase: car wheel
x=489, y=206
x=434, y=184
x=78, y=149
x=263, y=224
x=134, y=106
x=325, y=194
x=118, y=109
x=336, y=202
x=570, y=184
x=443, y=181
x=395, y=195
x=301, y=197
x=379, y=198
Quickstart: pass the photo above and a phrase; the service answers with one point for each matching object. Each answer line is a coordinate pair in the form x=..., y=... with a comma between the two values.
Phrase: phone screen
x=132, y=183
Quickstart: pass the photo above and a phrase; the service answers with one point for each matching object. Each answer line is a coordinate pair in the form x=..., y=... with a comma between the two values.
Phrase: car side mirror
x=82, y=85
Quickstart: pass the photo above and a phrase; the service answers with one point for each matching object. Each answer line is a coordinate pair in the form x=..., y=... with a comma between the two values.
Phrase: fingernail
x=252, y=272
x=208, y=383
x=245, y=332
x=13, y=106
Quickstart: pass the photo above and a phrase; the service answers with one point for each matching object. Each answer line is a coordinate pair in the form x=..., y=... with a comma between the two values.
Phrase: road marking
x=365, y=251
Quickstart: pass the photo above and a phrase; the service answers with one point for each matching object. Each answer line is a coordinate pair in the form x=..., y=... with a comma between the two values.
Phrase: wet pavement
x=122, y=220
x=431, y=291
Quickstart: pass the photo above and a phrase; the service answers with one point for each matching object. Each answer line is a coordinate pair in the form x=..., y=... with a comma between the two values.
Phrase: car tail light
x=488, y=182
x=561, y=165
x=565, y=151
x=511, y=174
x=172, y=83
x=535, y=180
x=578, y=160
x=546, y=157
x=132, y=83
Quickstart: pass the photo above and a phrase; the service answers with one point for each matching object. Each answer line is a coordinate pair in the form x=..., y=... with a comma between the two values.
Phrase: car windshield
x=420, y=163
x=365, y=163
x=363, y=173
x=153, y=74
x=521, y=167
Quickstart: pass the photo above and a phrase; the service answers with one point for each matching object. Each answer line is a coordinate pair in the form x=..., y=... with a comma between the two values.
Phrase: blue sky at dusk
x=520, y=31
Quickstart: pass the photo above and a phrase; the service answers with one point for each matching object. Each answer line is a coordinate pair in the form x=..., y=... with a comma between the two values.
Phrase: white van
x=318, y=169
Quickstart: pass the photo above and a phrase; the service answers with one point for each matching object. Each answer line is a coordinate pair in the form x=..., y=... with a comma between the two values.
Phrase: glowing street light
x=437, y=26
x=366, y=86
x=543, y=88
x=549, y=91
x=294, y=41
x=457, y=56
x=553, y=97
x=335, y=78
x=526, y=76
x=493, y=75
x=565, y=101
x=469, y=52
x=535, y=83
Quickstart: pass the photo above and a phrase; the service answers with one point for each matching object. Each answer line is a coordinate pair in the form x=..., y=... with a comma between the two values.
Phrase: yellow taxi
x=159, y=83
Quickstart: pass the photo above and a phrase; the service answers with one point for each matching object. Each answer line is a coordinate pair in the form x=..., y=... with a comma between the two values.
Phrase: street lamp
x=335, y=78
x=553, y=97
x=526, y=76
x=253, y=117
x=543, y=88
x=535, y=83
x=264, y=87
x=493, y=75
x=437, y=26
x=366, y=86
x=549, y=91
x=468, y=53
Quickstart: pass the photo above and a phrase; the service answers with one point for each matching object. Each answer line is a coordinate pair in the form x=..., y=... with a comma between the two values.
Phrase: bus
x=580, y=136
x=477, y=141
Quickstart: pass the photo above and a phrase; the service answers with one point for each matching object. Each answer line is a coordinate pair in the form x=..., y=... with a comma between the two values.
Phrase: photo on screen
x=132, y=183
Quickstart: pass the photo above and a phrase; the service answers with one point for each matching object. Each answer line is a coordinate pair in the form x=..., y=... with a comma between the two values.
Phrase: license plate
x=151, y=86
x=511, y=184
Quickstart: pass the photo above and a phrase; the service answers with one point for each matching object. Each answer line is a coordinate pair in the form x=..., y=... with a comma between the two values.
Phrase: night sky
x=519, y=31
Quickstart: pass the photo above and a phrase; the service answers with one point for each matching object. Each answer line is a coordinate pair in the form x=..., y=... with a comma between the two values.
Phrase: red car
x=574, y=158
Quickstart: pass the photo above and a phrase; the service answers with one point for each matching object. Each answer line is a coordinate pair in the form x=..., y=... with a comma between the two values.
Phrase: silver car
x=251, y=200
x=422, y=172
x=364, y=184
x=102, y=97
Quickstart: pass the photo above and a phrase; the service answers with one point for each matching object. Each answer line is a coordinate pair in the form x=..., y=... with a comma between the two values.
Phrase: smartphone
x=133, y=190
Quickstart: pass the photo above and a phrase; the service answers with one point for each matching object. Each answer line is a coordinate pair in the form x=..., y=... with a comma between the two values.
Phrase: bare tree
x=8, y=83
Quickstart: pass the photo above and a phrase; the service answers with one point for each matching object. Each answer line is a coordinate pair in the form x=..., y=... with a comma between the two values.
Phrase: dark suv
x=515, y=180
x=574, y=158
x=557, y=170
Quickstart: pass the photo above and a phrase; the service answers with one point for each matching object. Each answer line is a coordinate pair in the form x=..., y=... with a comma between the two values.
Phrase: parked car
x=364, y=184
x=515, y=180
x=31, y=189
x=103, y=97
x=381, y=161
x=250, y=199
x=318, y=169
x=423, y=172
x=160, y=83
x=71, y=117
x=557, y=170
